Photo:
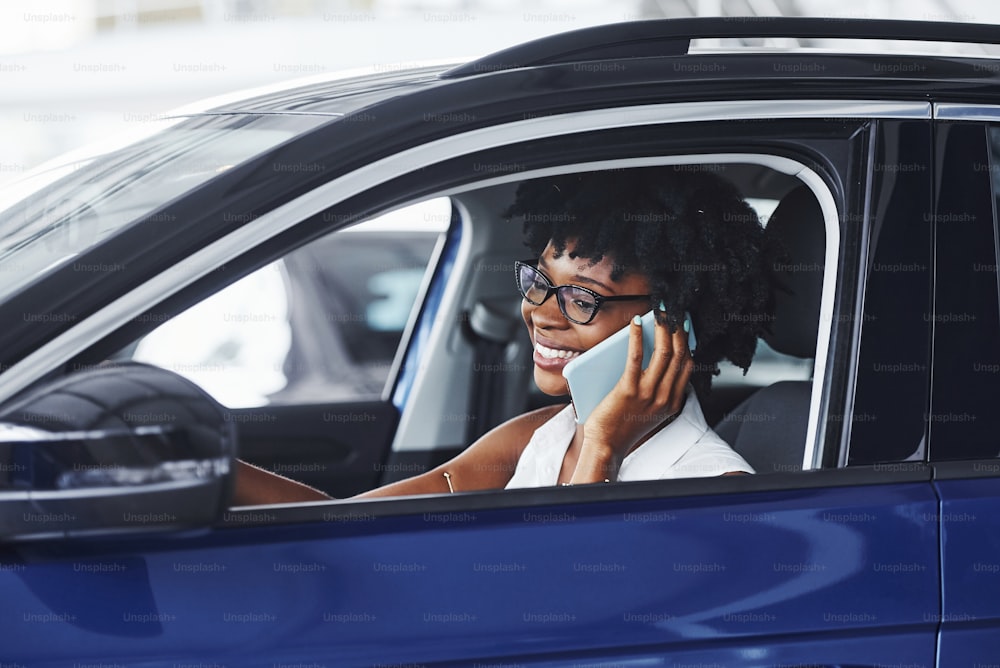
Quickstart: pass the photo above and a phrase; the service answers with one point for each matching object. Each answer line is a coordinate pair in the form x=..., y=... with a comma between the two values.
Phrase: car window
x=885, y=419
x=320, y=325
x=504, y=388
x=70, y=209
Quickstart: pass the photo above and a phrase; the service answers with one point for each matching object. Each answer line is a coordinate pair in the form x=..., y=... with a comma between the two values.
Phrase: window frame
x=309, y=216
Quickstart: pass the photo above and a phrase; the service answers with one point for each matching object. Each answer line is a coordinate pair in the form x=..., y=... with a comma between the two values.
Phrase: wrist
x=598, y=462
x=605, y=446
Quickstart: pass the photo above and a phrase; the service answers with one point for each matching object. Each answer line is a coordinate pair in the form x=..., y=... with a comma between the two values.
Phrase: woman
x=610, y=246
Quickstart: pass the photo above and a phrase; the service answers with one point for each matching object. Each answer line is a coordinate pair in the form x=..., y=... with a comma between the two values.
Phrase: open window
x=476, y=376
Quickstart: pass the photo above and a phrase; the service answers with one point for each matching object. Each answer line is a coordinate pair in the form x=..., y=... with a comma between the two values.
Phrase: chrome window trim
x=950, y=111
x=91, y=329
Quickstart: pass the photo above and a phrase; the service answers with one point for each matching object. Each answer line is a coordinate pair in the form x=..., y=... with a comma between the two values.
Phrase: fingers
x=666, y=378
x=675, y=379
x=660, y=388
x=663, y=352
x=633, y=364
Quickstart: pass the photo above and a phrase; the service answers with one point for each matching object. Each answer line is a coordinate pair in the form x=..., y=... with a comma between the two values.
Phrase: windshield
x=54, y=215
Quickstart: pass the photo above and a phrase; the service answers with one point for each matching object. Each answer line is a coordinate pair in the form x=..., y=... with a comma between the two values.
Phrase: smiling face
x=555, y=339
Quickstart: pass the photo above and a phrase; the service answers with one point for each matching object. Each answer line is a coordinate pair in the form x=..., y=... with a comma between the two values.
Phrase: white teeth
x=552, y=353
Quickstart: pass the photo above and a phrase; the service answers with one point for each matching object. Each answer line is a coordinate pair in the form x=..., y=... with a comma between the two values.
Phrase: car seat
x=769, y=428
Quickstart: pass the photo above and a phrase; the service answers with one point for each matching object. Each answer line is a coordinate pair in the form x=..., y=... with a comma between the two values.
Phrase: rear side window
x=320, y=325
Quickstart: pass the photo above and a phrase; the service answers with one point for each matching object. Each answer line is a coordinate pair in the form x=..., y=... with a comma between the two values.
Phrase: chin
x=551, y=384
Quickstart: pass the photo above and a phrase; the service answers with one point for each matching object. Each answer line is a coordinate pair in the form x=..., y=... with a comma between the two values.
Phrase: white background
x=73, y=71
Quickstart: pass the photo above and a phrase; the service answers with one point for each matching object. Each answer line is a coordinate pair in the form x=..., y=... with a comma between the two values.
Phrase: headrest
x=798, y=230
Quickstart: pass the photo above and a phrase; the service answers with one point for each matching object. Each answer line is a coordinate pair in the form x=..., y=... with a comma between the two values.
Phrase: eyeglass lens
x=577, y=304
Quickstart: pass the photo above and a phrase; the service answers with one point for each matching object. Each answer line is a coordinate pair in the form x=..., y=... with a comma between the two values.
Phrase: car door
x=838, y=566
x=737, y=572
x=963, y=420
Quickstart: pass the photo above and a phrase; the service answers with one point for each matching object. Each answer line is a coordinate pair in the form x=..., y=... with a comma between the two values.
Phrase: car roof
x=628, y=44
x=636, y=39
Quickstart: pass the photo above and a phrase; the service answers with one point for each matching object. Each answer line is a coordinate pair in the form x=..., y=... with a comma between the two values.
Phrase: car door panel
x=339, y=448
x=970, y=536
x=964, y=418
x=739, y=578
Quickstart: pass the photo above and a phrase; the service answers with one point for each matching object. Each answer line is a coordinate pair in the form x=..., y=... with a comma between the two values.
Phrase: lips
x=552, y=358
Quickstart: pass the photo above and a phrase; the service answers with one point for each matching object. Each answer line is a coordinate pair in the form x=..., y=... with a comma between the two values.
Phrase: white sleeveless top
x=685, y=448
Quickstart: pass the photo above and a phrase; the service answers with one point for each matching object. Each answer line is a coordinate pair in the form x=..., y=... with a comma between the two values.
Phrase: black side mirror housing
x=110, y=450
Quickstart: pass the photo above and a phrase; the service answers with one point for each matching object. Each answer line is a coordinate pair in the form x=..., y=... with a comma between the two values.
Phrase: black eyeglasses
x=577, y=303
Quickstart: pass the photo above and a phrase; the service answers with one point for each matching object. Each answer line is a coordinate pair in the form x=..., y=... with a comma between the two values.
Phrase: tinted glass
x=964, y=420
x=888, y=419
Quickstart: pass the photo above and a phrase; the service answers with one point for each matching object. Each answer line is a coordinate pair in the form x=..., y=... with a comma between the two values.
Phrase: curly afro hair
x=688, y=230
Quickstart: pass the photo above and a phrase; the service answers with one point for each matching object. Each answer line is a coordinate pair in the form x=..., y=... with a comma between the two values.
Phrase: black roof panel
x=339, y=96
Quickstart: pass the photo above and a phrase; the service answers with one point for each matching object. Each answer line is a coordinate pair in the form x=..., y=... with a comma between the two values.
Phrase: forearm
x=256, y=487
x=426, y=483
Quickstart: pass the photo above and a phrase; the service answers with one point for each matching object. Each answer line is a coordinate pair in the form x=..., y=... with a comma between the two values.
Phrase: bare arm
x=488, y=463
x=256, y=486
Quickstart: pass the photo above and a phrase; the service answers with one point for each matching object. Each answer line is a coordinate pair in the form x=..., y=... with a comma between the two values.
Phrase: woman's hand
x=642, y=401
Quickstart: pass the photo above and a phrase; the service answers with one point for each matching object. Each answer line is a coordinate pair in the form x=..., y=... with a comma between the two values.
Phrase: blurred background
x=74, y=71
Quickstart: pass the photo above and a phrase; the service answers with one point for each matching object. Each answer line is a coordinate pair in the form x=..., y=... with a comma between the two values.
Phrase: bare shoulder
x=521, y=427
x=504, y=443
x=490, y=462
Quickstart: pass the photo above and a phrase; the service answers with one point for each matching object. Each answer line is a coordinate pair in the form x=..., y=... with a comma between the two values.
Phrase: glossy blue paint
x=970, y=534
x=747, y=579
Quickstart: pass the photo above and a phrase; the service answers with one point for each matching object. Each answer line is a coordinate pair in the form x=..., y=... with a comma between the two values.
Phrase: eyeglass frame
x=599, y=299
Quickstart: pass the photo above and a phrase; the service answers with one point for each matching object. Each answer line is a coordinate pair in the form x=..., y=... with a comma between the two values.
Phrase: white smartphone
x=592, y=375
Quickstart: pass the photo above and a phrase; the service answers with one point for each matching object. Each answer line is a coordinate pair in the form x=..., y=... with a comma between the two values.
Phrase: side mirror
x=113, y=449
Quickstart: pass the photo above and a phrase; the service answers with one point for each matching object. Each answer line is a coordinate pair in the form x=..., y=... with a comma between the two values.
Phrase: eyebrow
x=582, y=279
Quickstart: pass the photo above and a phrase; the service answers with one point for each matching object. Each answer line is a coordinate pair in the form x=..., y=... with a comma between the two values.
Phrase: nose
x=548, y=313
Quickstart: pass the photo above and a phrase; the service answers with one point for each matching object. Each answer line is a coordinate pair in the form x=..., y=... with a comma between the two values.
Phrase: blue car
x=318, y=280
